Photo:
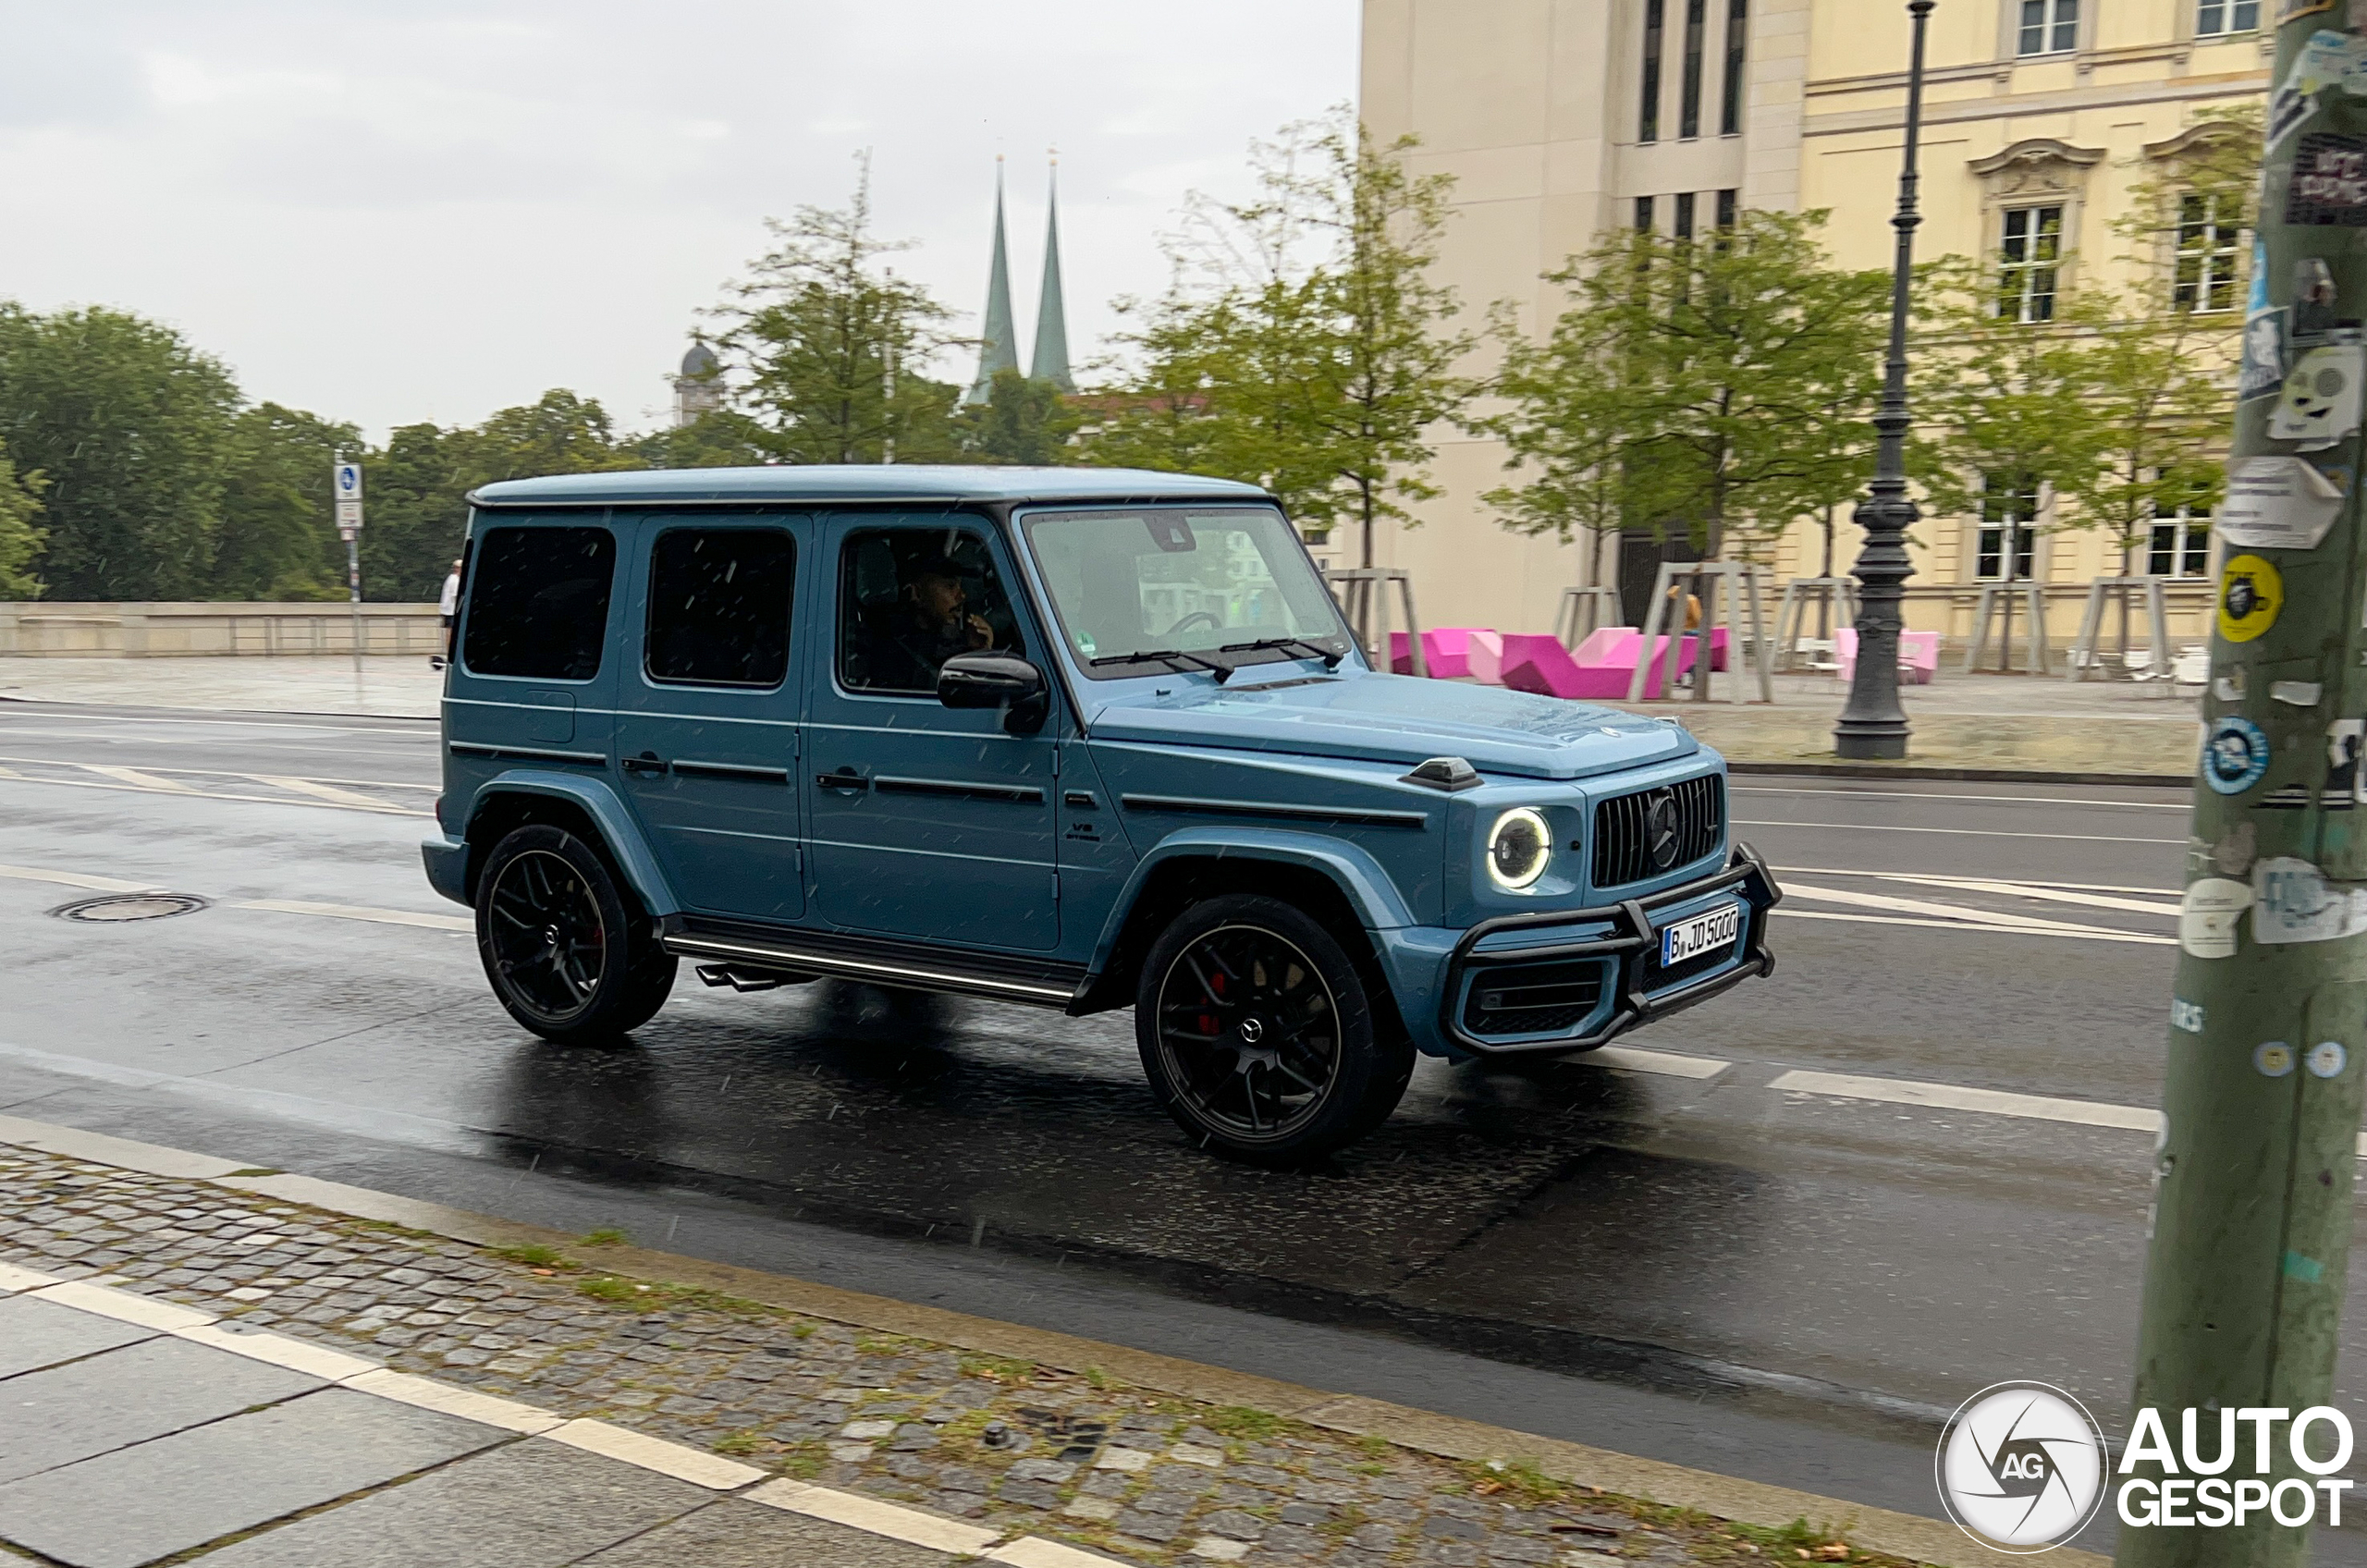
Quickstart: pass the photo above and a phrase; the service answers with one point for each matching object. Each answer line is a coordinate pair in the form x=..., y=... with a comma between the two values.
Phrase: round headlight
x=1518, y=847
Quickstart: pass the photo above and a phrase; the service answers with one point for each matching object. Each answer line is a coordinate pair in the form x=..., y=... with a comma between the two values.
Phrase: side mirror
x=996, y=680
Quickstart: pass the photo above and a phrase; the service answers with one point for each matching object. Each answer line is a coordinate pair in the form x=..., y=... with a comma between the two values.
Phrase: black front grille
x=1532, y=999
x=1624, y=830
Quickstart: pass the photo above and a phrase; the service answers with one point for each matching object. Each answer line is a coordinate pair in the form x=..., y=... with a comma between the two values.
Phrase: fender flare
x=1361, y=879
x=621, y=837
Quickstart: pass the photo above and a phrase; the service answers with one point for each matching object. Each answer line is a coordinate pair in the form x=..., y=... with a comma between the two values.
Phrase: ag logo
x=1660, y=829
x=2251, y=593
x=2021, y=1467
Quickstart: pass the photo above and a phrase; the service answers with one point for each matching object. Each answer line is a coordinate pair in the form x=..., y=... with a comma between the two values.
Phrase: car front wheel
x=567, y=949
x=1258, y=1032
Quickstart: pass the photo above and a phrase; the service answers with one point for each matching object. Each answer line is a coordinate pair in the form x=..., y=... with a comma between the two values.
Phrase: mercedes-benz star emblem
x=1660, y=830
x=1252, y=1031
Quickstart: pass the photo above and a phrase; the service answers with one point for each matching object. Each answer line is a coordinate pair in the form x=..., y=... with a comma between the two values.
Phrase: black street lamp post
x=1874, y=725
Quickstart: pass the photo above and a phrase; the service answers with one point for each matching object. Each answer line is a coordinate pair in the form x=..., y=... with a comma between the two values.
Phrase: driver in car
x=929, y=624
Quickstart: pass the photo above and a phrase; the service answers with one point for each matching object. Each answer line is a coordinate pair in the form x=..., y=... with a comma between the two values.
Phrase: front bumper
x=1628, y=954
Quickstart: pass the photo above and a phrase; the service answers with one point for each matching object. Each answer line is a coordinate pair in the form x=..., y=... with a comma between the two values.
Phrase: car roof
x=867, y=484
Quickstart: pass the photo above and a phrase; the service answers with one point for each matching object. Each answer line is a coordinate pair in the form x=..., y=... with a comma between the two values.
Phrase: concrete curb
x=1725, y=1497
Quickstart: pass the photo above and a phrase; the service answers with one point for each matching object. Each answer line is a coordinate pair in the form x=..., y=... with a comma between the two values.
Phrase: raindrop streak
x=669, y=1229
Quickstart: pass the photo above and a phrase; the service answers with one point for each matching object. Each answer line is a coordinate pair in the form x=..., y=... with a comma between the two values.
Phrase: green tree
x=1701, y=388
x=826, y=339
x=133, y=428
x=278, y=537
x=720, y=438
x=1305, y=346
x=1022, y=421
x=19, y=540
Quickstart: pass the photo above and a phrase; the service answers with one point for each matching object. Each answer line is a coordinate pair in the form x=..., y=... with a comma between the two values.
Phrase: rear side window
x=719, y=606
x=538, y=602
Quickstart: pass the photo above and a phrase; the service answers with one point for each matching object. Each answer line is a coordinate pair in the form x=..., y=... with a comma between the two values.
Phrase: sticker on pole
x=2208, y=915
x=2329, y=183
x=2325, y=59
x=2278, y=503
x=2296, y=903
x=2266, y=334
x=2319, y=406
x=2251, y=593
x=2234, y=755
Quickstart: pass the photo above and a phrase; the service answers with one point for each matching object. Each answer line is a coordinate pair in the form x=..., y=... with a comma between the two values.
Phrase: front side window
x=2029, y=260
x=1141, y=592
x=2048, y=26
x=2009, y=532
x=2212, y=17
x=718, y=606
x=2205, y=278
x=538, y=602
x=911, y=598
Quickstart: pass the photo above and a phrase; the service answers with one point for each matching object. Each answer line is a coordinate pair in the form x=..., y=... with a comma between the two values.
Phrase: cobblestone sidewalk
x=1145, y=1478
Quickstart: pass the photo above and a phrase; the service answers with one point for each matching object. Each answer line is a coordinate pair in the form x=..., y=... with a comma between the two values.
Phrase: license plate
x=1702, y=934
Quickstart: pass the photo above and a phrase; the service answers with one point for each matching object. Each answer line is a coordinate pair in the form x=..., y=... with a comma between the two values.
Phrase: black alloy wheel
x=567, y=950
x=1257, y=1033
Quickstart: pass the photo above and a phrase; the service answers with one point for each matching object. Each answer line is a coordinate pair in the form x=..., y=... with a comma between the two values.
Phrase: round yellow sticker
x=2251, y=593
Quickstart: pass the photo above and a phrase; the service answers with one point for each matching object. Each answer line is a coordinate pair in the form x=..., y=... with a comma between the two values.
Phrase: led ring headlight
x=1519, y=845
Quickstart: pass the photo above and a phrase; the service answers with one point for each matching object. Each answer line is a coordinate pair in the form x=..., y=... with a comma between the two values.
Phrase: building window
x=1737, y=34
x=2215, y=17
x=2032, y=252
x=1689, y=120
x=2207, y=255
x=2181, y=546
x=2048, y=27
x=2009, y=531
x=1643, y=214
x=1648, y=120
x=1685, y=215
x=1726, y=208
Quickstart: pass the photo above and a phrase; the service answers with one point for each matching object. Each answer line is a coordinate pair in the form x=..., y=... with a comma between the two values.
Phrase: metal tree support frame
x=1835, y=596
x=1363, y=593
x=2159, y=656
x=1585, y=611
x=1873, y=726
x=1740, y=583
x=2001, y=595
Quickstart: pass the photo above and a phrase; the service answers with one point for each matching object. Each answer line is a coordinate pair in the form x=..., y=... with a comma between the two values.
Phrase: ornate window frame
x=2036, y=171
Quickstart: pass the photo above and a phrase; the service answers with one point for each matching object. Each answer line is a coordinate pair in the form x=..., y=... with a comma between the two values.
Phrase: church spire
x=1001, y=349
x=1051, y=361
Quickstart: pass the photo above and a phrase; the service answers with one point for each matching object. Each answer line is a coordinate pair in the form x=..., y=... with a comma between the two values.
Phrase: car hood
x=1394, y=718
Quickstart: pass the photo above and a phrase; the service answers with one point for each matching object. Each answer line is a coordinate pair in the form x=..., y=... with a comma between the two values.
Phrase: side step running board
x=739, y=952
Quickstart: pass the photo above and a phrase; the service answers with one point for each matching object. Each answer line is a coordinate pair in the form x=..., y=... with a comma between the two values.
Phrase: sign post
x=346, y=481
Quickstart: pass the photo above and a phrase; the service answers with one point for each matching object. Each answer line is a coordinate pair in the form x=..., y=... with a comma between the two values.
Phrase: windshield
x=1181, y=588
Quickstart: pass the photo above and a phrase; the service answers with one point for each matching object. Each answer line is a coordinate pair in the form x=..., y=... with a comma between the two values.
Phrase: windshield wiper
x=1223, y=673
x=1331, y=658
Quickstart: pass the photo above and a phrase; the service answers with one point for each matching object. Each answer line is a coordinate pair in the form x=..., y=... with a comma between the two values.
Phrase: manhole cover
x=129, y=906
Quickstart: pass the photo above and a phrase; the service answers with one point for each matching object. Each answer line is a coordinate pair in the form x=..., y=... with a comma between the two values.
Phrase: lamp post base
x=1870, y=743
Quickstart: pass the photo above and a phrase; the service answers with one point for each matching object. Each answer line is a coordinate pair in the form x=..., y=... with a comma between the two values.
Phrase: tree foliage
x=21, y=541
x=1305, y=345
x=829, y=344
x=1023, y=420
x=1709, y=389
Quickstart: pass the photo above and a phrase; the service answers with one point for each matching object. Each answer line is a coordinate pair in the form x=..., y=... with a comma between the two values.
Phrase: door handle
x=648, y=762
x=846, y=780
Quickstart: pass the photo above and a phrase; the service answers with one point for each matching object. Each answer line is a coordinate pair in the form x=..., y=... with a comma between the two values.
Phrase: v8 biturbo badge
x=2251, y=593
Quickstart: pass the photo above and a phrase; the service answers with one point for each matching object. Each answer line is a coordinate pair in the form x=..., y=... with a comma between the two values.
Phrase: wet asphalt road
x=1671, y=1258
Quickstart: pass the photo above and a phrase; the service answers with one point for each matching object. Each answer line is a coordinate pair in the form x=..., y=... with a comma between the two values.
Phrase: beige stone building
x=1560, y=119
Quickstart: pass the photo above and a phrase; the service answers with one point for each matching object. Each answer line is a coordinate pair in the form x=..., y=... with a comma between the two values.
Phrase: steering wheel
x=1207, y=616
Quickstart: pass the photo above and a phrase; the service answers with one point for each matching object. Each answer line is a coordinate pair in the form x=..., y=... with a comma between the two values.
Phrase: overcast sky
x=423, y=210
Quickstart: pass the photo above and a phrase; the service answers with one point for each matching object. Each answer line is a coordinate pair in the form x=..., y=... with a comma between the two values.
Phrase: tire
x=1261, y=1079
x=566, y=946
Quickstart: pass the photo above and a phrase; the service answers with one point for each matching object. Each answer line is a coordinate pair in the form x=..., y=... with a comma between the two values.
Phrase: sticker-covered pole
x=2251, y=1216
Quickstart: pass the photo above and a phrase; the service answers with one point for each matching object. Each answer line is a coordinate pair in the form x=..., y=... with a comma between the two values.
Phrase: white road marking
x=2096, y=934
x=136, y=779
x=75, y=879
x=182, y=793
x=1924, y=906
x=1956, y=832
x=358, y=911
x=1954, y=1096
x=1946, y=877
x=1922, y=795
x=1633, y=1059
x=318, y=791
x=2029, y=890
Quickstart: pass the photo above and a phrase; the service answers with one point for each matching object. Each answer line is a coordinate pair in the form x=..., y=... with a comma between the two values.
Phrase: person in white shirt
x=448, y=604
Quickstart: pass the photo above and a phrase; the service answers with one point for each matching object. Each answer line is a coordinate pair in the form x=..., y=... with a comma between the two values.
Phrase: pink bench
x=1603, y=666
x=1918, y=655
x=1454, y=653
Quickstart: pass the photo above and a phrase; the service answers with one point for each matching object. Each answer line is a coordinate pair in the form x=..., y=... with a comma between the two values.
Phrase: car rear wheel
x=566, y=946
x=1258, y=1032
